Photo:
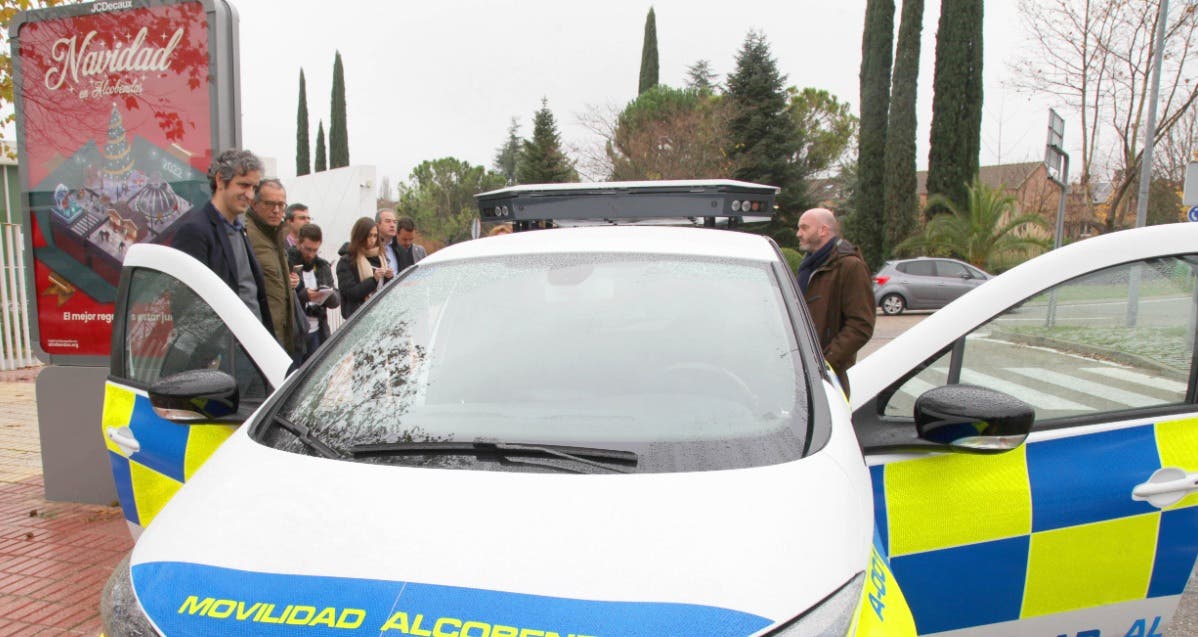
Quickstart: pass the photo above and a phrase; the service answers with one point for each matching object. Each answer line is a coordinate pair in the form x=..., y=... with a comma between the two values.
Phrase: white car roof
x=618, y=185
x=701, y=242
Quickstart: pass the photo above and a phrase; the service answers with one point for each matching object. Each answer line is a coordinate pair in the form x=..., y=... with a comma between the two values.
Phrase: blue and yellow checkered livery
x=1048, y=528
x=171, y=453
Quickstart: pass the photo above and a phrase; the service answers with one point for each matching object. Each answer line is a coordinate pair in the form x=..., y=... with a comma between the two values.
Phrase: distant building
x=10, y=181
x=1034, y=192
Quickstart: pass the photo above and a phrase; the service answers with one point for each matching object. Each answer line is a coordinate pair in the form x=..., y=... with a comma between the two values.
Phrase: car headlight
x=832, y=617
x=120, y=613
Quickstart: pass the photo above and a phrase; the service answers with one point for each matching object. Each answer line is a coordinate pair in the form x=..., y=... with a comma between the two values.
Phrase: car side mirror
x=972, y=419
x=196, y=395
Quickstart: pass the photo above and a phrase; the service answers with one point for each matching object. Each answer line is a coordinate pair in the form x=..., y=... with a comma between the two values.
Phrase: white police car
x=629, y=431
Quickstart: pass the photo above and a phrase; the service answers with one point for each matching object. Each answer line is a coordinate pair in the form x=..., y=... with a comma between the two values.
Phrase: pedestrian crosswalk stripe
x=1108, y=392
x=1127, y=375
x=917, y=386
x=1038, y=399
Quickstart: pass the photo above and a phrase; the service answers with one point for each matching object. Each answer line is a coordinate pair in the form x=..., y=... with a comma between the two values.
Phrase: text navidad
x=88, y=60
x=399, y=623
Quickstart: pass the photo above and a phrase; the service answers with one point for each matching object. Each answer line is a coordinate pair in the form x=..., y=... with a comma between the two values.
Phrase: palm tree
x=991, y=233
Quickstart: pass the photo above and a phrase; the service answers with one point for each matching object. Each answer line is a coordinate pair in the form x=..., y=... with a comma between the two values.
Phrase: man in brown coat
x=836, y=284
x=266, y=232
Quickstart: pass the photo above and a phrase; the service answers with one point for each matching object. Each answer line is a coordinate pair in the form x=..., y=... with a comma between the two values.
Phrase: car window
x=1114, y=340
x=977, y=274
x=691, y=361
x=168, y=329
x=950, y=268
x=917, y=268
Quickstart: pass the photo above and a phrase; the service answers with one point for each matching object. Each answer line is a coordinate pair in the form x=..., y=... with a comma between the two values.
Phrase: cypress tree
x=303, y=159
x=956, y=102
x=649, y=55
x=542, y=160
x=902, y=203
x=876, y=42
x=321, y=164
x=761, y=135
x=338, y=134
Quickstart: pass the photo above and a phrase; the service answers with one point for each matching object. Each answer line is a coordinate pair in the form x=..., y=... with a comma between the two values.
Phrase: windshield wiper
x=304, y=434
x=591, y=456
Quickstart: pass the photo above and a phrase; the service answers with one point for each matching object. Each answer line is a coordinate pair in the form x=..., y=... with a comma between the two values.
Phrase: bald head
x=817, y=227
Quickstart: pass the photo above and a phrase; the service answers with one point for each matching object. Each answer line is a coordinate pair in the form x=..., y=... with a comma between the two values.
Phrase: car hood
x=262, y=540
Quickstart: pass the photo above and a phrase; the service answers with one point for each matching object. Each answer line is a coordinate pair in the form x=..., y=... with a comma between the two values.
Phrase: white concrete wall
x=335, y=198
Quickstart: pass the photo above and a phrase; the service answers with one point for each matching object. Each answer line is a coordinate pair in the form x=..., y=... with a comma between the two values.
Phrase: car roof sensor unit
x=703, y=202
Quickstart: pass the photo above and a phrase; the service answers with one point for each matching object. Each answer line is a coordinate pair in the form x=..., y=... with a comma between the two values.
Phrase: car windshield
x=691, y=363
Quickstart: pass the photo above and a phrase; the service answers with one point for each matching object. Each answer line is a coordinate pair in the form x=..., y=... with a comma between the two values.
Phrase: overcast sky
x=434, y=79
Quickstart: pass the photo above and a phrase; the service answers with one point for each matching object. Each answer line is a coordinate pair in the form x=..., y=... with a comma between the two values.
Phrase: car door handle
x=124, y=439
x=1166, y=487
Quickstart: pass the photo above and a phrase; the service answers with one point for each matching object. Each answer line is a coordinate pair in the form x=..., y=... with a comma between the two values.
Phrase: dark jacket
x=324, y=278
x=353, y=289
x=418, y=252
x=202, y=235
x=268, y=243
x=840, y=298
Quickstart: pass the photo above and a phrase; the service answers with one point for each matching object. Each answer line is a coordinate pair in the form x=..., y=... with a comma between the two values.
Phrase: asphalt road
x=1185, y=621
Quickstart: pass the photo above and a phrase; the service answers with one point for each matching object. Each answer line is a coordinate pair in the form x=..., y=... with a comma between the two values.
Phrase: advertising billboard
x=120, y=106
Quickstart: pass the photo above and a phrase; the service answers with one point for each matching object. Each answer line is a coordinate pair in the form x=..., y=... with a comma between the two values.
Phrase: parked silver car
x=923, y=283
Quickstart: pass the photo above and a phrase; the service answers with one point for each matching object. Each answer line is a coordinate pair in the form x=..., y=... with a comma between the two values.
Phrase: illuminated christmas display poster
x=114, y=114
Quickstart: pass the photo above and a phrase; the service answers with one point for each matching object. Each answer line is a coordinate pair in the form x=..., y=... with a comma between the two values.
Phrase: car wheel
x=893, y=304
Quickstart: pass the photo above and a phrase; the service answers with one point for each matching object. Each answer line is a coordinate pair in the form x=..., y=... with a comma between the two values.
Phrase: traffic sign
x=1192, y=215
x=1189, y=196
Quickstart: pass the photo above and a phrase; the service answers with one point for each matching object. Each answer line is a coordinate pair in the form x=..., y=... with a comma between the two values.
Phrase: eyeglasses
x=273, y=205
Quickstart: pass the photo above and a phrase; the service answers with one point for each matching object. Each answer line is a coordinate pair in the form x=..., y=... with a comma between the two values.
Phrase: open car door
x=175, y=315
x=1091, y=527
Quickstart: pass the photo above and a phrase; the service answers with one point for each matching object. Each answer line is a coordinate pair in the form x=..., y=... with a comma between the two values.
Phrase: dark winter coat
x=840, y=298
x=203, y=236
x=268, y=243
x=354, y=291
x=324, y=278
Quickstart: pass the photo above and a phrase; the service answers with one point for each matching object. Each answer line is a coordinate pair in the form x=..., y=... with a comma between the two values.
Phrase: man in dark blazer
x=406, y=249
x=214, y=233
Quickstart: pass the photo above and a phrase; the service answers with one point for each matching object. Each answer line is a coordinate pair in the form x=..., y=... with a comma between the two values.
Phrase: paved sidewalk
x=54, y=556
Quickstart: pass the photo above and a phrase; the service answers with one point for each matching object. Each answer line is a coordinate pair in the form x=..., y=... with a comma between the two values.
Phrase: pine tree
x=508, y=154
x=542, y=160
x=338, y=133
x=321, y=163
x=876, y=41
x=956, y=102
x=700, y=77
x=649, y=54
x=761, y=135
x=303, y=159
x=902, y=203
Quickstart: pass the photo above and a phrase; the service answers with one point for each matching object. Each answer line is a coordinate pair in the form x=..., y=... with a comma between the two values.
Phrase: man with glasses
x=266, y=232
x=296, y=217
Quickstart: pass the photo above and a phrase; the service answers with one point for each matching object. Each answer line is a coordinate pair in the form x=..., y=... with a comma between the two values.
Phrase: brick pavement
x=54, y=556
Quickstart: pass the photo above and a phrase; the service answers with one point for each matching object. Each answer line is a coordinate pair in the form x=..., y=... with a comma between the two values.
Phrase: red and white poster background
x=115, y=112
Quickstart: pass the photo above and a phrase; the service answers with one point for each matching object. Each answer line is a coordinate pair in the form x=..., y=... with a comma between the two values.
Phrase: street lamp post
x=1150, y=128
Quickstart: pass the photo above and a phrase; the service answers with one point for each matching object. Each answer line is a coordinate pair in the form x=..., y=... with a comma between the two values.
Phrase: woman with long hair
x=361, y=270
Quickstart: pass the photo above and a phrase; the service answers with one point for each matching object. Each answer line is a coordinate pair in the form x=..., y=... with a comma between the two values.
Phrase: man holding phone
x=316, y=291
